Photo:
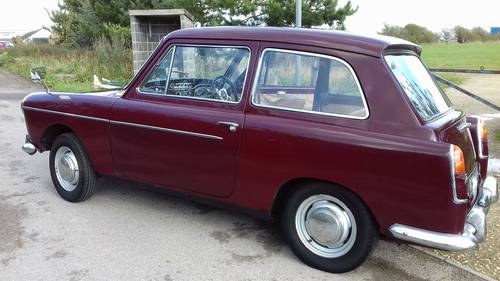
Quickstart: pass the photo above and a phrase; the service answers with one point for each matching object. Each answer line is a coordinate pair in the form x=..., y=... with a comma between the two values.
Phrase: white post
x=298, y=13
x=298, y=24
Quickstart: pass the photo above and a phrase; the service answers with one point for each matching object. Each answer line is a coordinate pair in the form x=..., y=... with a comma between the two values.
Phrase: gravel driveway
x=127, y=233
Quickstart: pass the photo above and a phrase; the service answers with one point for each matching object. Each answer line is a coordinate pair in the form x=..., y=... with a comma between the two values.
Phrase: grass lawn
x=471, y=55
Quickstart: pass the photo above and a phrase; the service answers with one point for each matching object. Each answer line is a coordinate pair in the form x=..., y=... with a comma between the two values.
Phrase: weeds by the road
x=71, y=69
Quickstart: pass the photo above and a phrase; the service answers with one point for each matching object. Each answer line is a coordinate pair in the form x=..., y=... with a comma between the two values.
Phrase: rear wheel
x=71, y=171
x=329, y=228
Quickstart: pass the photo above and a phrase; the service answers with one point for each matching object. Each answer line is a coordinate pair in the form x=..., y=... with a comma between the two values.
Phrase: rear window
x=427, y=98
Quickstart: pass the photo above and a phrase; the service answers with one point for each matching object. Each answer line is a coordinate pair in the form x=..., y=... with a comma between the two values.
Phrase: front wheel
x=70, y=169
x=329, y=228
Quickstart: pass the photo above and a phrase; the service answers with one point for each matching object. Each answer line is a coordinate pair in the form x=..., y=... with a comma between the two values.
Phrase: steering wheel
x=223, y=93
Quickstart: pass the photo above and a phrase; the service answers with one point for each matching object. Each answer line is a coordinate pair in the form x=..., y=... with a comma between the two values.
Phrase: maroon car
x=339, y=137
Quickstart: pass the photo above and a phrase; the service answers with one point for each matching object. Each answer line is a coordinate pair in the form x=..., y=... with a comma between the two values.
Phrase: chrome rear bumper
x=475, y=229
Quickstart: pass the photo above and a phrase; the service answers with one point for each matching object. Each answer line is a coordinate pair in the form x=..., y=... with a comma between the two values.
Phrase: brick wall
x=147, y=32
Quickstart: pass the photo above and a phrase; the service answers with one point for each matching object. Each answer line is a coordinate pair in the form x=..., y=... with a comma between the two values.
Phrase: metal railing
x=462, y=90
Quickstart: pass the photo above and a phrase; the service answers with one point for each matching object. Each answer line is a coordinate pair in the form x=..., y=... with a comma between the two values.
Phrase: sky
x=25, y=15
x=433, y=14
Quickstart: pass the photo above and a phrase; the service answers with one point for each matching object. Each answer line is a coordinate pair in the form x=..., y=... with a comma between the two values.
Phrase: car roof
x=369, y=45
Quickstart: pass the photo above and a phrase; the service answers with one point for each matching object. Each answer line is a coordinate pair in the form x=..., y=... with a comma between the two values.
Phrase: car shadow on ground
x=266, y=233
x=385, y=263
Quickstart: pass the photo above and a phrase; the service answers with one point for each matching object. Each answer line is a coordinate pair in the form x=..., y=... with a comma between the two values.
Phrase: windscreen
x=427, y=98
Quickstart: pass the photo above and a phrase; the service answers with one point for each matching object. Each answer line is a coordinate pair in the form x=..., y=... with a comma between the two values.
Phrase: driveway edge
x=454, y=263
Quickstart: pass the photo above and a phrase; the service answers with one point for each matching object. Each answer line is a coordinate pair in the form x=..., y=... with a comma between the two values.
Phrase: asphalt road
x=127, y=233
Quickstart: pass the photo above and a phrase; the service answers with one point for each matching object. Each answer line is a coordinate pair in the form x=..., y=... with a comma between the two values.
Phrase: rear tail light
x=458, y=176
x=458, y=160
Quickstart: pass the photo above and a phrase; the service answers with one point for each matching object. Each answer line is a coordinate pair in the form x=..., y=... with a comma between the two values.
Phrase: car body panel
x=370, y=164
x=87, y=115
x=202, y=163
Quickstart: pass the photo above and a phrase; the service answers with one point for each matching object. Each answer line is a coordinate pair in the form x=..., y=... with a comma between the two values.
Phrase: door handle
x=463, y=126
x=230, y=125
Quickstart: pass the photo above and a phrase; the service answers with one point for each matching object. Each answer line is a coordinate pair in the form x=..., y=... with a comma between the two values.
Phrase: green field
x=470, y=56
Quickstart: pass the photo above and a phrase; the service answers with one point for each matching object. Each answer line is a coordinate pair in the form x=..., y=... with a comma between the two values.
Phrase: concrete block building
x=149, y=26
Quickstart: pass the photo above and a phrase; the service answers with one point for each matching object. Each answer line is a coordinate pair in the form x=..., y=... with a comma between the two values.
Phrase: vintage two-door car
x=339, y=137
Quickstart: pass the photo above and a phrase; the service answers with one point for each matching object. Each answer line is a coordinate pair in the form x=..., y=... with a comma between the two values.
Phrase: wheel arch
x=52, y=132
x=289, y=187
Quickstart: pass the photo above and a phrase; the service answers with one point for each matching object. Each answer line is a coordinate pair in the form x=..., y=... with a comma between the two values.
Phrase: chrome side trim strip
x=161, y=129
x=188, y=133
x=65, y=114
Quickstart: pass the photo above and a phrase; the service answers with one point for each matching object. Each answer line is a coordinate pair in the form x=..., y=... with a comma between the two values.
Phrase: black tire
x=364, y=242
x=87, y=177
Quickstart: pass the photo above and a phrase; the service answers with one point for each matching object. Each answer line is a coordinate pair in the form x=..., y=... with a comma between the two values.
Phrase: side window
x=214, y=73
x=156, y=81
x=308, y=82
x=203, y=72
x=280, y=69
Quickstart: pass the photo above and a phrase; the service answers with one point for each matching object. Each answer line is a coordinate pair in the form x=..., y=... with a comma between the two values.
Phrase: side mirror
x=38, y=74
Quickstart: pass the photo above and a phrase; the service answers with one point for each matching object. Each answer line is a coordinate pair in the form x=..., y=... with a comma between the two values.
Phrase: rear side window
x=427, y=98
x=308, y=82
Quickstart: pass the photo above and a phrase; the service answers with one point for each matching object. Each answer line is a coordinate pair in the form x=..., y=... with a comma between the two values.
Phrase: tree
x=314, y=13
x=76, y=24
x=463, y=34
x=394, y=31
x=79, y=23
x=480, y=34
x=420, y=34
x=411, y=32
x=447, y=35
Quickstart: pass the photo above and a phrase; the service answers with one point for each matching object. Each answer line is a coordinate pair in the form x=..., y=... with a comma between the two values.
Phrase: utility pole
x=298, y=24
x=298, y=13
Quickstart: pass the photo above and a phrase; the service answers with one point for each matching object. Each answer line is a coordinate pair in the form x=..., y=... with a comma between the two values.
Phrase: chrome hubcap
x=326, y=226
x=66, y=167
